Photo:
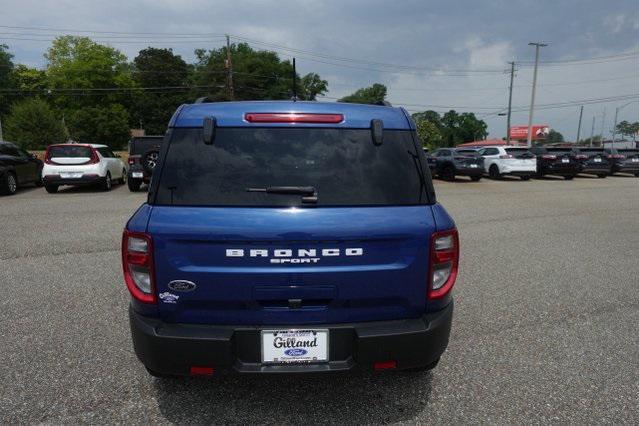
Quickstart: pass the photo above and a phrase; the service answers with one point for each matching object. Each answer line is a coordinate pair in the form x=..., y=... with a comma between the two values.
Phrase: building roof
x=231, y=114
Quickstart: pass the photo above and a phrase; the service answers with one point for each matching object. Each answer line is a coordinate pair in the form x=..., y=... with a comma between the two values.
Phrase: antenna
x=294, y=82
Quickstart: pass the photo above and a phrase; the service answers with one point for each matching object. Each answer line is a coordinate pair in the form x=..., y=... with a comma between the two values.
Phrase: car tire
x=107, y=183
x=569, y=177
x=493, y=172
x=601, y=175
x=424, y=368
x=9, y=184
x=525, y=177
x=134, y=185
x=448, y=173
x=150, y=160
x=637, y=174
x=51, y=189
x=475, y=178
x=123, y=178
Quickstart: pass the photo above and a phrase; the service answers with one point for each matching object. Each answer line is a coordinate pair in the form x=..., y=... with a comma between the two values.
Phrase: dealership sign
x=539, y=131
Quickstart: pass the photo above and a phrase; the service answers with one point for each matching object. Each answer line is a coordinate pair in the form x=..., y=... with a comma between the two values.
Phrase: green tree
x=312, y=85
x=32, y=124
x=626, y=128
x=460, y=128
x=105, y=125
x=6, y=67
x=76, y=63
x=256, y=74
x=429, y=125
x=375, y=94
x=158, y=68
x=554, y=137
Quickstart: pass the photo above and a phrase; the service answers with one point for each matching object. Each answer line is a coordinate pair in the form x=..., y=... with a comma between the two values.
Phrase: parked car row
x=499, y=161
x=74, y=164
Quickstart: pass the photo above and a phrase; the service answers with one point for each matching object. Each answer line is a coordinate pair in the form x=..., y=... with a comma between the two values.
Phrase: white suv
x=81, y=164
x=499, y=161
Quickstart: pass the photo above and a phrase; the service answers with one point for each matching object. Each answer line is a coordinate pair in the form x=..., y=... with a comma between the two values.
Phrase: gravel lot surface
x=546, y=324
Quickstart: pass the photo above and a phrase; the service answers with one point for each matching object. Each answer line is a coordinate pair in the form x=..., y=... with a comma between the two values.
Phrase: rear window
x=467, y=152
x=591, y=152
x=520, y=152
x=69, y=151
x=629, y=152
x=343, y=165
x=142, y=145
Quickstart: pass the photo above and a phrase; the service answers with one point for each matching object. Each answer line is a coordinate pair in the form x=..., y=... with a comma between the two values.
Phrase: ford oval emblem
x=182, y=285
x=295, y=352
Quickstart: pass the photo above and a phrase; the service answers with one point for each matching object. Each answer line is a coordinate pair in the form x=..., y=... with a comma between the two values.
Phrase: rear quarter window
x=343, y=165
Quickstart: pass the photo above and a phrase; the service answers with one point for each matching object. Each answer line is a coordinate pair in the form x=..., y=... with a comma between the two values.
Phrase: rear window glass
x=519, y=152
x=343, y=165
x=142, y=145
x=69, y=151
x=467, y=152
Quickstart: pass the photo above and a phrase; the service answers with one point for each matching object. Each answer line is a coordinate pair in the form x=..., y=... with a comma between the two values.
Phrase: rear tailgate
x=357, y=264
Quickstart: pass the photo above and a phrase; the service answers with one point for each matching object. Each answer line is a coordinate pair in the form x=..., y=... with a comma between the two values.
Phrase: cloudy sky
x=431, y=54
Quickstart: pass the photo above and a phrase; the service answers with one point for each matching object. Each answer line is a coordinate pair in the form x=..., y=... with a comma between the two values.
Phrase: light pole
x=614, y=129
x=534, y=86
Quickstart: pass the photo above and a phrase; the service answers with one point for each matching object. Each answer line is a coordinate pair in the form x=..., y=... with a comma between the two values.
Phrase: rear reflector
x=260, y=117
x=385, y=365
x=549, y=157
x=202, y=371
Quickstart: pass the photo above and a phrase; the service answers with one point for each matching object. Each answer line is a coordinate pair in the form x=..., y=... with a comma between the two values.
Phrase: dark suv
x=290, y=237
x=18, y=168
x=143, y=157
x=593, y=161
x=624, y=160
x=450, y=162
x=556, y=161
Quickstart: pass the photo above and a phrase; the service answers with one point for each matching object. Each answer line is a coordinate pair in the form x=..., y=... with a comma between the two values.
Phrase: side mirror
x=377, y=131
x=208, y=130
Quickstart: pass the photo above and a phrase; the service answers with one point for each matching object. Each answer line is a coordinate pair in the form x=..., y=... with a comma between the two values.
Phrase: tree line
x=92, y=93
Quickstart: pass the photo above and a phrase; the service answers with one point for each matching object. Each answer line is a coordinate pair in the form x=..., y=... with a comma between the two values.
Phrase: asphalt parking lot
x=546, y=326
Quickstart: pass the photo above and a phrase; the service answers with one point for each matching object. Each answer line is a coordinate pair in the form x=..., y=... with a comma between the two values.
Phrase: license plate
x=597, y=160
x=294, y=346
x=71, y=175
x=565, y=160
x=473, y=166
x=635, y=160
x=137, y=174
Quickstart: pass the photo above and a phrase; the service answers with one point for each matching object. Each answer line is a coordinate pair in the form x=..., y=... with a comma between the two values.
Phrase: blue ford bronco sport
x=290, y=237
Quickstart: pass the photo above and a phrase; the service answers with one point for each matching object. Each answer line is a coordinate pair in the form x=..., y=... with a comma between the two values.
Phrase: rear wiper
x=310, y=195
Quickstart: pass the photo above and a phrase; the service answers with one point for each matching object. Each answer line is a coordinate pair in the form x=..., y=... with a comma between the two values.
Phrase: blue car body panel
x=387, y=281
x=231, y=114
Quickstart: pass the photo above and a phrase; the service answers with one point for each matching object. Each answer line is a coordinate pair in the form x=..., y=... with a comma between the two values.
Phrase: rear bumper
x=593, y=169
x=174, y=348
x=518, y=170
x=559, y=170
x=138, y=173
x=468, y=171
x=91, y=179
x=631, y=168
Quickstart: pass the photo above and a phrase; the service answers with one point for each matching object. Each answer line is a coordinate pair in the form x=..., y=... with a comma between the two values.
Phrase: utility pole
x=592, y=131
x=534, y=87
x=510, y=101
x=614, y=129
x=229, y=68
x=603, y=123
x=1, y=139
x=581, y=113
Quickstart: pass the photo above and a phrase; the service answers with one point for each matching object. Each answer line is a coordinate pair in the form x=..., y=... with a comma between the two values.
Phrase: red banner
x=539, y=131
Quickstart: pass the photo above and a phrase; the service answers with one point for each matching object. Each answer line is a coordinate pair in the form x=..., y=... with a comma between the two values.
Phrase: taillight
x=581, y=157
x=444, y=262
x=94, y=157
x=137, y=263
x=260, y=117
x=506, y=156
x=549, y=157
x=47, y=157
x=133, y=159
